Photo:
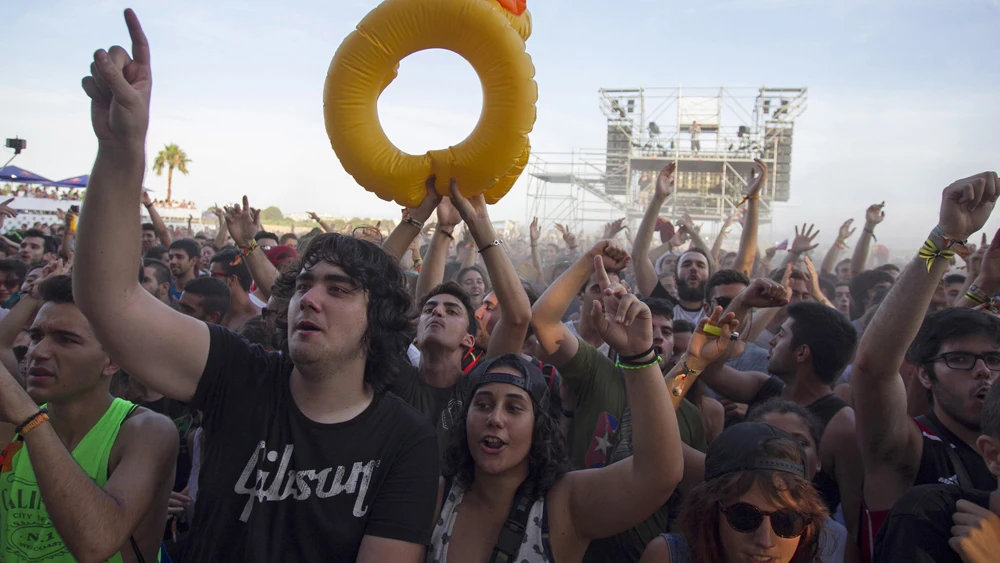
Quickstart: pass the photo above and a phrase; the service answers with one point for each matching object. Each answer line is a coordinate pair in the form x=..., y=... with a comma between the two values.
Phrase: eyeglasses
x=967, y=361
x=745, y=518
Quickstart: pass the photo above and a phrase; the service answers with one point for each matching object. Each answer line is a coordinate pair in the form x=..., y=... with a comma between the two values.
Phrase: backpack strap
x=956, y=462
x=514, y=529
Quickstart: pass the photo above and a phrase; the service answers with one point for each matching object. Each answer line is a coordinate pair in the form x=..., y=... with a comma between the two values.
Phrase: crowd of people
x=437, y=396
x=40, y=192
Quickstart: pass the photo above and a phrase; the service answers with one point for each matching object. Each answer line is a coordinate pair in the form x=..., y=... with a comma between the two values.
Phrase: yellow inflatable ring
x=490, y=35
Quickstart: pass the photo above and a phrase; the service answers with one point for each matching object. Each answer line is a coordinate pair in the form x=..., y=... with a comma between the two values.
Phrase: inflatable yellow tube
x=490, y=35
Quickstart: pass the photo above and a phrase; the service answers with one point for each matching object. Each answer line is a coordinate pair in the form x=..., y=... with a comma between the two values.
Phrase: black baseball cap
x=739, y=449
x=532, y=379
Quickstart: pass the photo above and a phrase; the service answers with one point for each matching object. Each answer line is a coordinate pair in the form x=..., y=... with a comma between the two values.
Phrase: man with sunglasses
x=957, y=356
x=230, y=267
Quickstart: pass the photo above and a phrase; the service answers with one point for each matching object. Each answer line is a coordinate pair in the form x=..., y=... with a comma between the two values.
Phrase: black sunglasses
x=745, y=518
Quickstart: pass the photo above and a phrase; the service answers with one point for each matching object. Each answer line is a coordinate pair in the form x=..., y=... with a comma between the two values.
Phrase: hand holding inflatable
x=490, y=34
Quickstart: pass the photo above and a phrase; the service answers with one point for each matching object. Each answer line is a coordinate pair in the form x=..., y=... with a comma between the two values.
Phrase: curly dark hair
x=548, y=458
x=699, y=517
x=379, y=275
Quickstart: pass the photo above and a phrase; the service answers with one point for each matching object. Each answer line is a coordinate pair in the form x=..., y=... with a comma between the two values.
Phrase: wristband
x=655, y=361
x=960, y=247
x=445, y=233
x=840, y=244
x=496, y=242
x=977, y=295
x=929, y=252
x=247, y=250
x=35, y=421
x=871, y=232
x=637, y=357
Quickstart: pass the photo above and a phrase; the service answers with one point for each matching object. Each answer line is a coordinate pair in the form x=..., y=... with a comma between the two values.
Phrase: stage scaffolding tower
x=649, y=127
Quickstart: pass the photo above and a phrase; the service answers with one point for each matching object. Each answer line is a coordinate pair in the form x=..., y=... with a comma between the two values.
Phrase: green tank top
x=26, y=532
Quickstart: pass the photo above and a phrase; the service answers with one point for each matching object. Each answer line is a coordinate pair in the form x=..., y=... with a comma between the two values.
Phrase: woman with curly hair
x=506, y=494
x=756, y=504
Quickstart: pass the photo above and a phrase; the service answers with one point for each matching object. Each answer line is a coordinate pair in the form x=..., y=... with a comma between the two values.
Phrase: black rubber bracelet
x=627, y=359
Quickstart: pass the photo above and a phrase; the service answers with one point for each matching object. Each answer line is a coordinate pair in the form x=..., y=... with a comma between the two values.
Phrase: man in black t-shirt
x=308, y=457
x=447, y=327
x=953, y=351
x=919, y=527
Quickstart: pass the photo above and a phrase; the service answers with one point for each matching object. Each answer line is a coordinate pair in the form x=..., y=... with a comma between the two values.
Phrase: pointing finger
x=602, y=274
x=140, y=45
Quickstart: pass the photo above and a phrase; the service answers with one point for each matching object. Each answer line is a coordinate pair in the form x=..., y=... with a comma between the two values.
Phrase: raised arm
x=830, y=260
x=873, y=216
x=814, y=288
x=536, y=258
x=322, y=224
x=400, y=238
x=162, y=232
x=801, y=244
x=242, y=225
x=432, y=272
x=140, y=332
x=556, y=342
x=748, y=240
x=723, y=231
x=612, y=499
x=987, y=281
x=645, y=274
x=515, y=309
x=688, y=226
x=885, y=432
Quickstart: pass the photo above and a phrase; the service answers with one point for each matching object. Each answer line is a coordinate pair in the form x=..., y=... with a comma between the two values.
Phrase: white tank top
x=534, y=549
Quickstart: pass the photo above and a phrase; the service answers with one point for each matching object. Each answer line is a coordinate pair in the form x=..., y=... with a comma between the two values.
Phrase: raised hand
x=241, y=223
x=6, y=211
x=615, y=257
x=988, y=274
x=874, y=214
x=708, y=348
x=974, y=262
x=665, y=182
x=764, y=293
x=119, y=86
x=803, y=241
x=623, y=321
x=314, y=216
x=613, y=228
x=568, y=237
x=846, y=231
x=473, y=211
x=757, y=179
x=975, y=534
x=967, y=203
x=534, y=232
x=817, y=290
x=427, y=206
x=770, y=253
x=448, y=216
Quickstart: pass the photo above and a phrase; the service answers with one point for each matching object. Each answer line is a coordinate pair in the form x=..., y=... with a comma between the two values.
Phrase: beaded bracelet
x=655, y=361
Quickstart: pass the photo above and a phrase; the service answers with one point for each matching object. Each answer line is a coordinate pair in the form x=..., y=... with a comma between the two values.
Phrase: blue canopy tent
x=74, y=182
x=22, y=176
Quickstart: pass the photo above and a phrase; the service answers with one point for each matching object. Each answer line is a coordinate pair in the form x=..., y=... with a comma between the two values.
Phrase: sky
x=902, y=93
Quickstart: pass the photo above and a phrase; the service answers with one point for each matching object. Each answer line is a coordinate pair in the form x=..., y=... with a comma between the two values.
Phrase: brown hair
x=699, y=517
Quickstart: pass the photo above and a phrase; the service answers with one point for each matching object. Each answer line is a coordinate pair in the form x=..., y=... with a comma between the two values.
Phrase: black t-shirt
x=935, y=463
x=277, y=486
x=919, y=526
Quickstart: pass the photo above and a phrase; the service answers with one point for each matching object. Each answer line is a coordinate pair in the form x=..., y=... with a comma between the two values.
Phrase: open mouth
x=492, y=444
x=40, y=372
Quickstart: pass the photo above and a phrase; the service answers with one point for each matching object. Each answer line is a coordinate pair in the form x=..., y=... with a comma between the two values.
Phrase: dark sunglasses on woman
x=745, y=518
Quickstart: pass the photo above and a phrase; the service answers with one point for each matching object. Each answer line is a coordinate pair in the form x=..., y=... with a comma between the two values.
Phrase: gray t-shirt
x=693, y=317
x=753, y=358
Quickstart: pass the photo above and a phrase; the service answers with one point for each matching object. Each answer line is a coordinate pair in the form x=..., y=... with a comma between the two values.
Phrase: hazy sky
x=902, y=93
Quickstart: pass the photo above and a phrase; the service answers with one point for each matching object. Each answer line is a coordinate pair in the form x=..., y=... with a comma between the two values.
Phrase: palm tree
x=172, y=157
